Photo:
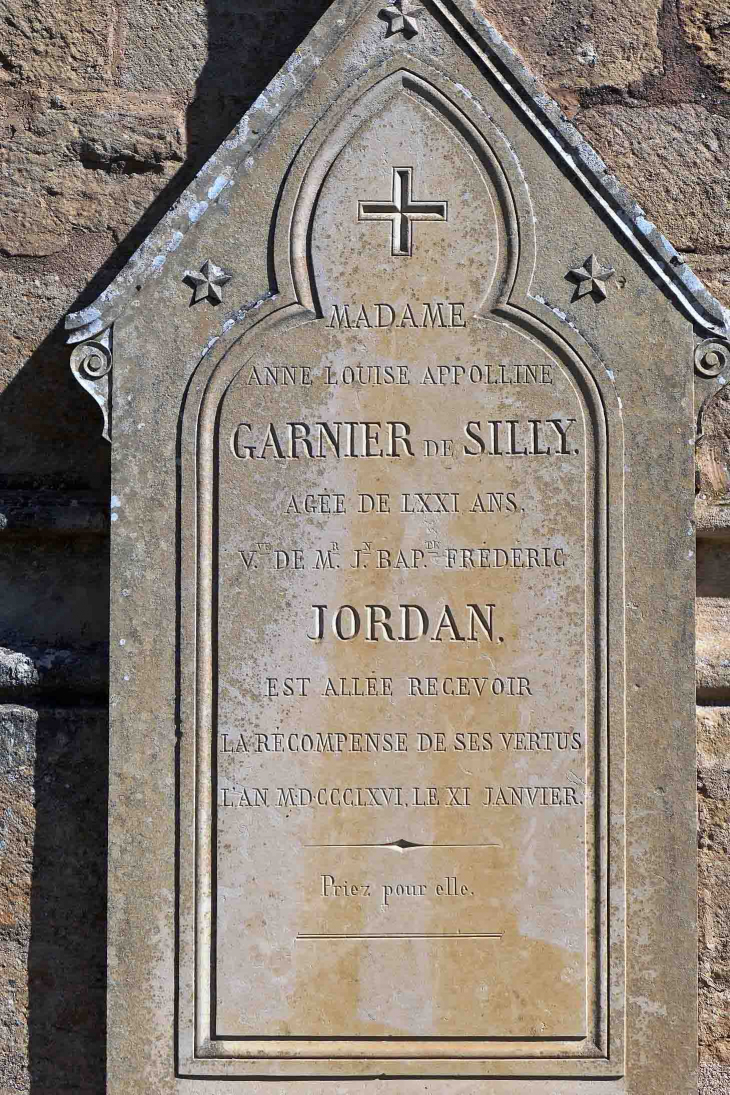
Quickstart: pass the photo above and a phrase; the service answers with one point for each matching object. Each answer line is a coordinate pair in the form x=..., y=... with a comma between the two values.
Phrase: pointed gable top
x=233, y=159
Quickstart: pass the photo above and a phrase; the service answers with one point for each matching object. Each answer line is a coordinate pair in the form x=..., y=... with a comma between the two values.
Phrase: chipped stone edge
x=235, y=157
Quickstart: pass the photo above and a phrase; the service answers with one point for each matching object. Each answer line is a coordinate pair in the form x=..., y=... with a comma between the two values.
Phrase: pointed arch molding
x=600, y=1053
x=505, y=69
x=480, y=135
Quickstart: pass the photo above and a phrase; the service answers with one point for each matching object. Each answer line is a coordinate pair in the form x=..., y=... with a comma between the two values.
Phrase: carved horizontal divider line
x=401, y=935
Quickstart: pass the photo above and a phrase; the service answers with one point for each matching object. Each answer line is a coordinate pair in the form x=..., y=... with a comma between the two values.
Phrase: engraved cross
x=403, y=210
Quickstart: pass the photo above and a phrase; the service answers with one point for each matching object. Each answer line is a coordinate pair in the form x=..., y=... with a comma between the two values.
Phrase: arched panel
x=409, y=111
x=408, y=686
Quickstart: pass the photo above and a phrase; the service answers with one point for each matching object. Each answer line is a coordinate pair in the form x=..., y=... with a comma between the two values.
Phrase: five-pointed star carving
x=592, y=277
x=402, y=17
x=208, y=283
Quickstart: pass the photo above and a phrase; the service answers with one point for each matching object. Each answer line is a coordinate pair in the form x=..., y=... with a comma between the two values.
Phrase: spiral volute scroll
x=91, y=364
x=93, y=359
x=712, y=373
x=712, y=357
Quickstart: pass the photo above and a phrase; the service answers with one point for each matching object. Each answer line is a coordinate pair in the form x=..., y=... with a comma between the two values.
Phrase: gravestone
x=401, y=403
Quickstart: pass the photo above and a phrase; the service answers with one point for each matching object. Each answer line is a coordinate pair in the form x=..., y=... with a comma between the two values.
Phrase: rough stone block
x=714, y=898
x=674, y=160
x=165, y=44
x=56, y=594
x=579, y=45
x=713, y=781
x=67, y=42
x=713, y=459
x=64, y=674
x=713, y=753
x=705, y=25
x=17, y=755
x=714, y=1078
x=28, y=310
x=86, y=163
x=232, y=48
x=713, y=620
x=711, y=519
x=52, y=893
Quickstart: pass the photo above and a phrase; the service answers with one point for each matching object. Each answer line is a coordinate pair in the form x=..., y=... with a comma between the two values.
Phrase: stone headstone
x=402, y=763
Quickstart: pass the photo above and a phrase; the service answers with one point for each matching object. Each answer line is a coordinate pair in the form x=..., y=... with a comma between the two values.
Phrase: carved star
x=592, y=278
x=401, y=15
x=208, y=283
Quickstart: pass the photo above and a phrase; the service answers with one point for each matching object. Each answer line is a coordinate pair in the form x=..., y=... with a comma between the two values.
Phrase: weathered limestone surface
x=105, y=106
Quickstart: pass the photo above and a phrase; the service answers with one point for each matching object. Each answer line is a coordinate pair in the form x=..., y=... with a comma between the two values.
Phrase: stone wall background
x=107, y=110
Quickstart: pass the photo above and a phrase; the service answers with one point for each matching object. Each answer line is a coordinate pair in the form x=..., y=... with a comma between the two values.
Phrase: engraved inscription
x=381, y=316
x=364, y=440
x=415, y=581
x=401, y=562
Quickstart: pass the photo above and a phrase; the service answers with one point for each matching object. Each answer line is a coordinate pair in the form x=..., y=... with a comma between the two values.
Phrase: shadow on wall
x=67, y=958
x=49, y=430
x=50, y=439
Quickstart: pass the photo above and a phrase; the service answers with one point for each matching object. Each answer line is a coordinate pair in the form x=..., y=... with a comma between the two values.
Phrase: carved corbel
x=712, y=384
x=91, y=364
x=712, y=373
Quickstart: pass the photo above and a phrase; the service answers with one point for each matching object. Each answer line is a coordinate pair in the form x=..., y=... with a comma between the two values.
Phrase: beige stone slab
x=432, y=610
x=402, y=768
